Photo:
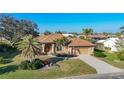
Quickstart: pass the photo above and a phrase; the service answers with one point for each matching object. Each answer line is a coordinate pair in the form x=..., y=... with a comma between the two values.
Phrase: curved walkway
x=100, y=66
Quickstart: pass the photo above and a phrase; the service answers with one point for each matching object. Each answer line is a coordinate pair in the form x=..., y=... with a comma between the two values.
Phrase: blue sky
x=74, y=22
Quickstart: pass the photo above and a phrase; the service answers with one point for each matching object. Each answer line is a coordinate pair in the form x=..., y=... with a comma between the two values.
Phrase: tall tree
x=87, y=32
x=13, y=29
x=60, y=32
x=29, y=47
x=47, y=32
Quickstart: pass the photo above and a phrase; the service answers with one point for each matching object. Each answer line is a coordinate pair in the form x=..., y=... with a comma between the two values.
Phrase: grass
x=67, y=68
x=112, y=59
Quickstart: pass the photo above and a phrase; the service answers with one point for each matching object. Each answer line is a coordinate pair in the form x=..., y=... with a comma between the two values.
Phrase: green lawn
x=67, y=68
x=112, y=59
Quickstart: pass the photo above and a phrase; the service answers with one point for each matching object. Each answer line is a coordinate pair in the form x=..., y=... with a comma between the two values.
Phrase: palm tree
x=61, y=42
x=29, y=47
x=87, y=31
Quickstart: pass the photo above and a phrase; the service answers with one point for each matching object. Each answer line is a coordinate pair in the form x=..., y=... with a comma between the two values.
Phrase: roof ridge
x=80, y=42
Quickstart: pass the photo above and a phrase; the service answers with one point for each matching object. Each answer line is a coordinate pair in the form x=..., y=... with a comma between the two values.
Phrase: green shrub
x=27, y=65
x=98, y=50
x=2, y=60
x=99, y=54
x=120, y=55
x=24, y=65
x=37, y=64
x=5, y=47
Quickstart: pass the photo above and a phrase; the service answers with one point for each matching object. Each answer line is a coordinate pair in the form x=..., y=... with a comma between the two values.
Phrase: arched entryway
x=75, y=51
x=47, y=47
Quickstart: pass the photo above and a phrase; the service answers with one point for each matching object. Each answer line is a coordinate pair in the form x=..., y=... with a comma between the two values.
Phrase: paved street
x=100, y=66
x=100, y=76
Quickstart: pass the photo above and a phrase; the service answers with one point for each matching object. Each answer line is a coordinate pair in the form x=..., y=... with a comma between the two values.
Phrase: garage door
x=84, y=50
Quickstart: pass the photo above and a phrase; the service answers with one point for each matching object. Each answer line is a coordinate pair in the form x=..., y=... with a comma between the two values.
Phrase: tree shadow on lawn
x=54, y=60
x=8, y=56
x=6, y=69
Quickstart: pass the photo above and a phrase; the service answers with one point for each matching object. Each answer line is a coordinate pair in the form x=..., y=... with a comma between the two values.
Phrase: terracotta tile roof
x=73, y=41
x=98, y=36
x=49, y=38
x=79, y=42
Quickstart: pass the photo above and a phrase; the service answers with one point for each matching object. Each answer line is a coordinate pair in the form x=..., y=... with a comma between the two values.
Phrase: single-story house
x=97, y=37
x=109, y=43
x=100, y=44
x=67, y=35
x=75, y=45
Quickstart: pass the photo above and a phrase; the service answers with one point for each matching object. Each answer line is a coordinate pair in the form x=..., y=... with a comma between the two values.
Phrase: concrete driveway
x=100, y=66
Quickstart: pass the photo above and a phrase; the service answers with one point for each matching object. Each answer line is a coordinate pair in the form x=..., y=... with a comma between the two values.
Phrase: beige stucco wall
x=77, y=50
x=86, y=50
x=65, y=49
x=82, y=50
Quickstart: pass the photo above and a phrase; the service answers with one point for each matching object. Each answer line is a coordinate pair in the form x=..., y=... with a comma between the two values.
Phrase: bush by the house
x=99, y=54
x=120, y=55
x=37, y=64
x=98, y=50
x=27, y=65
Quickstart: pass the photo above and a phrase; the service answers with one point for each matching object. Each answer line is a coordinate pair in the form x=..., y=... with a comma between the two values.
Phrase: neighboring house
x=67, y=35
x=97, y=37
x=100, y=44
x=108, y=43
x=80, y=46
x=75, y=45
